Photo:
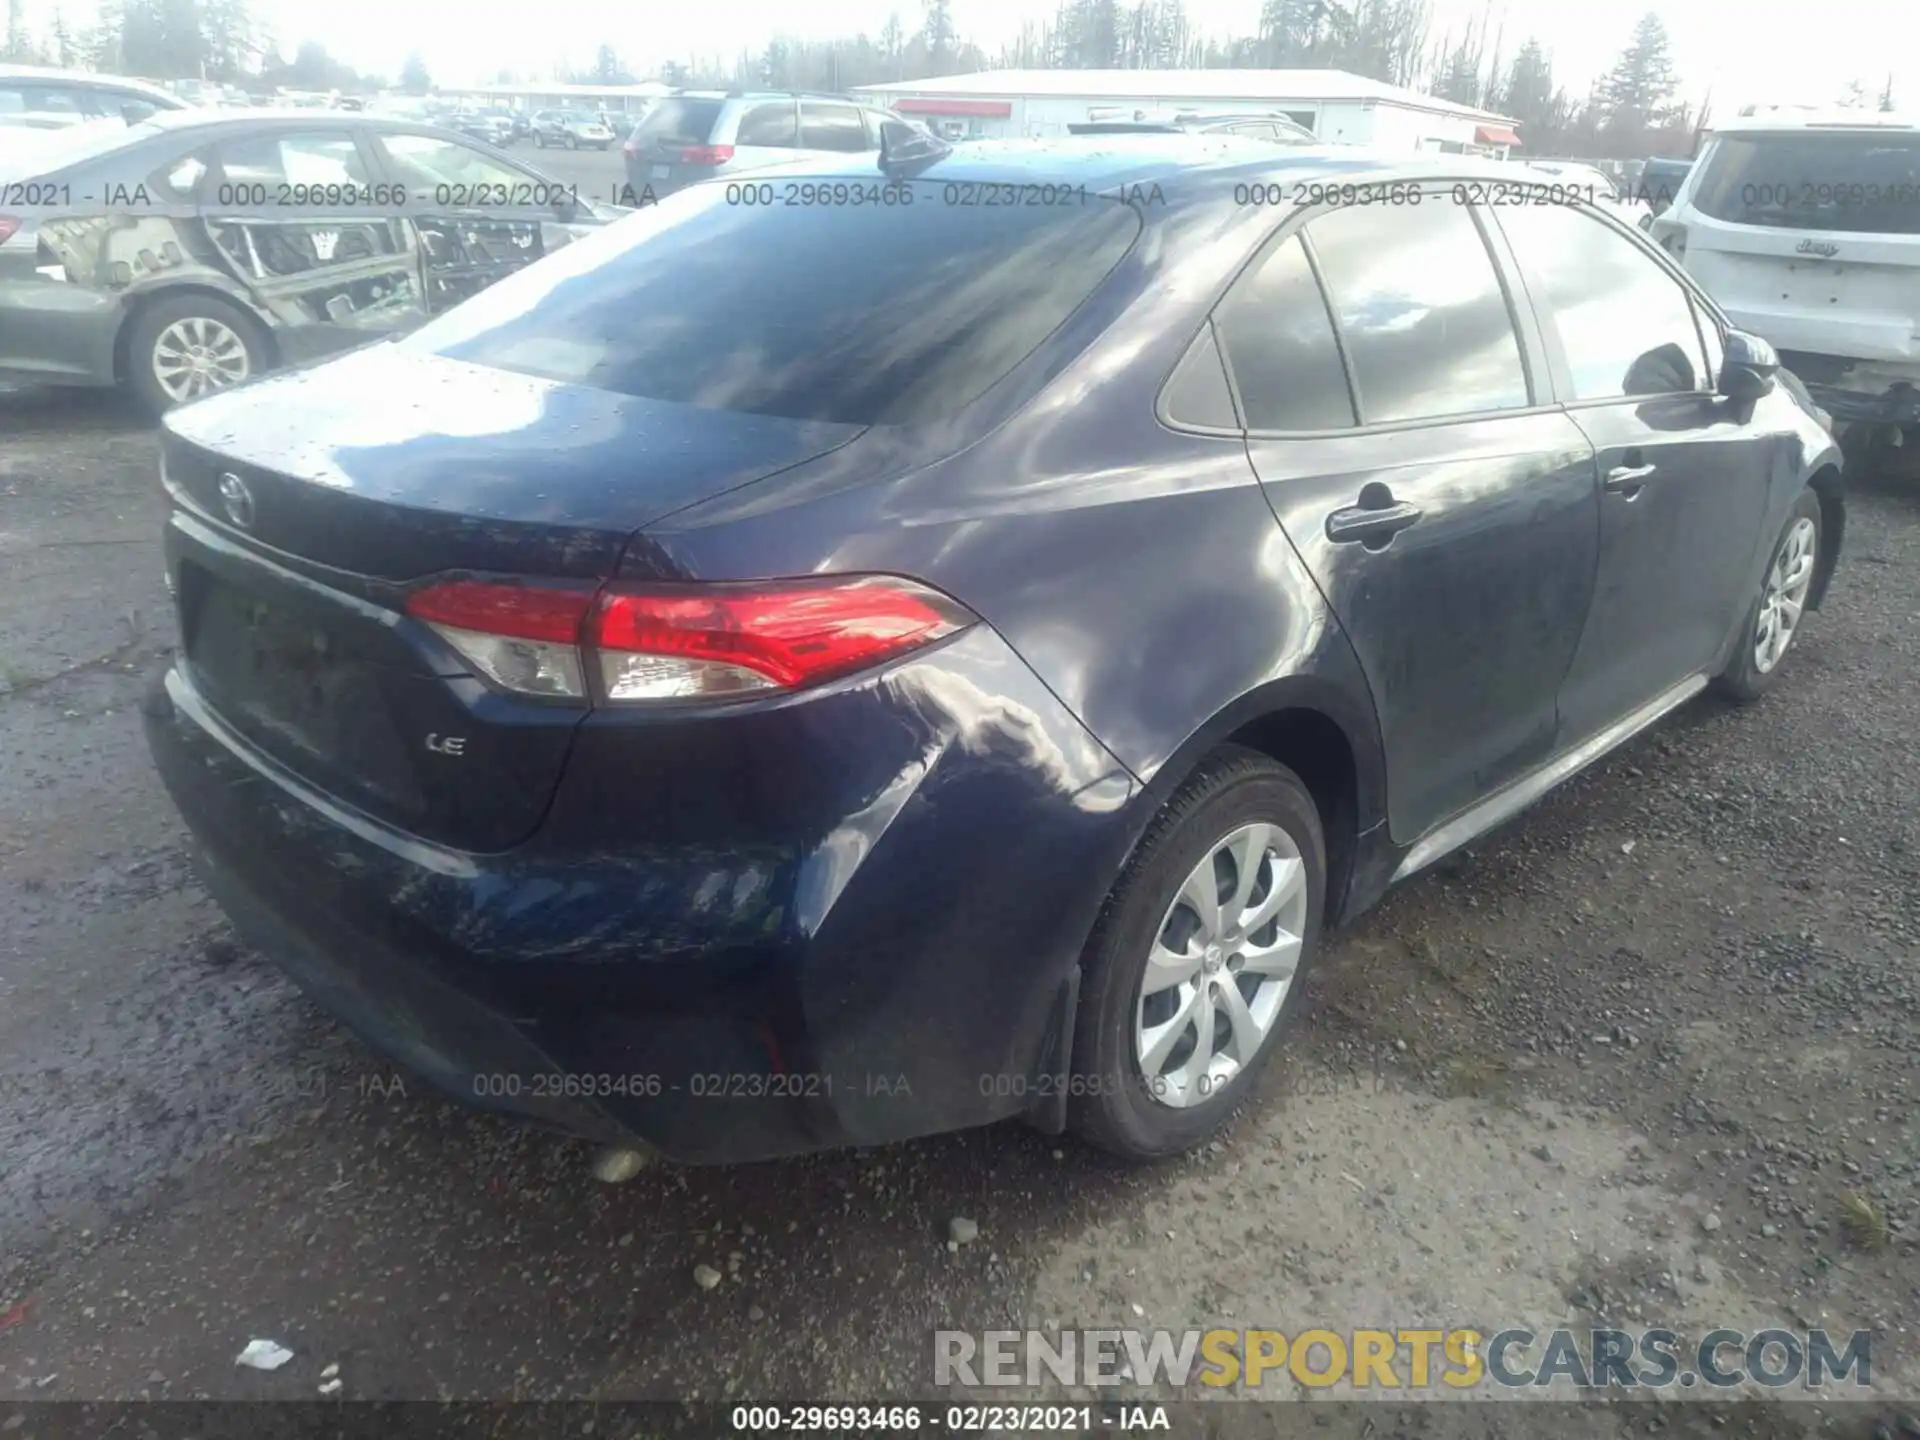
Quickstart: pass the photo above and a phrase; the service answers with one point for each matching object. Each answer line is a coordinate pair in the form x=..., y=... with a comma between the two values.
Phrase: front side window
x=1426, y=324
x=1625, y=326
x=1280, y=345
x=432, y=166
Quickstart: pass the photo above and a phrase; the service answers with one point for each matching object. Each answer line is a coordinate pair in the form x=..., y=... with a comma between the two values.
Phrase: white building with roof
x=1338, y=107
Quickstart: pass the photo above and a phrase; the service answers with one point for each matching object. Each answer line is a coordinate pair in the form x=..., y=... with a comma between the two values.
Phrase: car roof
x=276, y=117
x=1798, y=121
x=773, y=95
x=90, y=79
x=1194, y=161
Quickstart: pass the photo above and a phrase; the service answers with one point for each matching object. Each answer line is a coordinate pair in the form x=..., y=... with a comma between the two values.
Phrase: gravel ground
x=1646, y=1057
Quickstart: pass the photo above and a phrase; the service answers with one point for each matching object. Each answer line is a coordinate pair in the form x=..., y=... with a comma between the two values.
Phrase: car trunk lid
x=309, y=505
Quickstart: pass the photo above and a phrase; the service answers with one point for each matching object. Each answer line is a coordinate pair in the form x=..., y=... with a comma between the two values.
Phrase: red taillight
x=723, y=640
x=684, y=641
x=525, y=612
x=706, y=155
x=8, y=224
x=632, y=147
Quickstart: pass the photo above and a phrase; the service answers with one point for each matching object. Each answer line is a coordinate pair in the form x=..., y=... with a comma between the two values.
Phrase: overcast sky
x=1789, y=51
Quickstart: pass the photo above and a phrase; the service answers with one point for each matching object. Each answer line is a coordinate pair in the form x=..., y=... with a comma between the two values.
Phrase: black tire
x=1743, y=680
x=152, y=322
x=1114, y=1107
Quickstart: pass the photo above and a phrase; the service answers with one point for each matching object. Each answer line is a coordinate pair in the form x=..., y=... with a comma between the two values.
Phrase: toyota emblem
x=238, y=500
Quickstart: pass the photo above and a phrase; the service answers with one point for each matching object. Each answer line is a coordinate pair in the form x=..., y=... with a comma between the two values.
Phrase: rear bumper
x=893, y=973
x=1859, y=391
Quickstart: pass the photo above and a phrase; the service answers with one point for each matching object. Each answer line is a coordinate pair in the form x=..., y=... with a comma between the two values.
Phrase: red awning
x=990, y=109
x=1495, y=135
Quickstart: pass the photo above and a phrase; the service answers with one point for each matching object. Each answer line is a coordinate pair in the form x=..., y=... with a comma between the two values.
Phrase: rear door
x=1811, y=239
x=292, y=215
x=479, y=217
x=1444, y=507
x=1683, y=473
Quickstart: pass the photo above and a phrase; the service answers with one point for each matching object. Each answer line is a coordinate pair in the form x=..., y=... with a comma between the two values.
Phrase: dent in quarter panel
x=1466, y=621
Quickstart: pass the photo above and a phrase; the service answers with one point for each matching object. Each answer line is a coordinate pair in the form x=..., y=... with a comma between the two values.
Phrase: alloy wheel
x=1221, y=966
x=197, y=355
x=1784, y=595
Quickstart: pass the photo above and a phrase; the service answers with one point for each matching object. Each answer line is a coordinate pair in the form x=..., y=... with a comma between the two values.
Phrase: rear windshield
x=679, y=121
x=863, y=313
x=1865, y=183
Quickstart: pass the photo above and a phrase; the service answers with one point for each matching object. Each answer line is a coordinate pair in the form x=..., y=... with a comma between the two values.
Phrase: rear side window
x=832, y=127
x=311, y=158
x=679, y=121
x=1858, y=182
x=1420, y=307
x=908, y=311
x=772, y=125
x=1626, y=326
x=1279, y=341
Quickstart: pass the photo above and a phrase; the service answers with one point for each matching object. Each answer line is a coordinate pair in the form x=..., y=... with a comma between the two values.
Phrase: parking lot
x=595, y=174
x=1647, y=1056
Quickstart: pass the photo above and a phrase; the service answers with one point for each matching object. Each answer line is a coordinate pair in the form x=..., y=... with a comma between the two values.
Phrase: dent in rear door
x=291, y=216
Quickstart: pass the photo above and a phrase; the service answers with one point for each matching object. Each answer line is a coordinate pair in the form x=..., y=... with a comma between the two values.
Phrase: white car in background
x=1805, y=227
x=1590, y=180
x=35, y=98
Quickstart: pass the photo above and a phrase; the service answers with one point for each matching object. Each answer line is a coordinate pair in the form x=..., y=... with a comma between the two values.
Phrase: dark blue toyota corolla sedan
x=840, y=657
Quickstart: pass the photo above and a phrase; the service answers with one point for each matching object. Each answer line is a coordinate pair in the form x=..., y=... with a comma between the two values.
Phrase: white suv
x=1806, y=228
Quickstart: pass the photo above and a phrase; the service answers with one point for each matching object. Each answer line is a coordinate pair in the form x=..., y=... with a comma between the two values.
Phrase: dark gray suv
x=696, y=135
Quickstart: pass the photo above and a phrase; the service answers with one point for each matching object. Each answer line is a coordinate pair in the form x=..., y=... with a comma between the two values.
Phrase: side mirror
x=1749, y=367
x=566, y=208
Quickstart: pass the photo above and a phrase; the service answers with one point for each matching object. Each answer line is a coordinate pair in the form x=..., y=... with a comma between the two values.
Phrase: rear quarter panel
x=1136, y=569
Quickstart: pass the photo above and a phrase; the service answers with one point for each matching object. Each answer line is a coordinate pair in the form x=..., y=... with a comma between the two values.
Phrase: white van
x=1806, y=228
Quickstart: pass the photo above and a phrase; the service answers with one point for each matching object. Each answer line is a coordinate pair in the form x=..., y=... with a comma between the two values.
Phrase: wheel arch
x=1830, y=491
x=138, y=305
x=1310, y=725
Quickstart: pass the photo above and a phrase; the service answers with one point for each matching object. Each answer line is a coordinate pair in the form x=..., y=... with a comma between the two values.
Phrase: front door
x=1448, y=521
x=1682, y=472
x=480, y=218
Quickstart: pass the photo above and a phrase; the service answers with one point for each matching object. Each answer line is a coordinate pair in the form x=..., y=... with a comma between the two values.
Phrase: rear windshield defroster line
x=862, y=311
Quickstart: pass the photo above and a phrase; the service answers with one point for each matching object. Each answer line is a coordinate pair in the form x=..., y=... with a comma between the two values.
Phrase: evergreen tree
x=413, y=75
x=1637, y=93
x=937, y=33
